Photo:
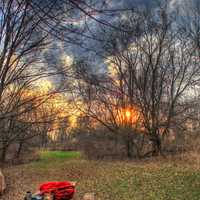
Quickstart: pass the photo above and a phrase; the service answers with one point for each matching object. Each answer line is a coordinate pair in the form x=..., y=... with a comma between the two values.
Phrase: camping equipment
x=53, y=191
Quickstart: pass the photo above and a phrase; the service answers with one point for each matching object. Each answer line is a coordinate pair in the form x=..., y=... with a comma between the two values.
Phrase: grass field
x=109, y=180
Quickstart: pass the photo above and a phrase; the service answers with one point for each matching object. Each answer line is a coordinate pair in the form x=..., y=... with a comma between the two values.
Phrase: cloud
x=88, y=32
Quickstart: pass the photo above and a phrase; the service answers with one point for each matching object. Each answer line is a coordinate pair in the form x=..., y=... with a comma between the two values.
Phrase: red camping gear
x=60, y=190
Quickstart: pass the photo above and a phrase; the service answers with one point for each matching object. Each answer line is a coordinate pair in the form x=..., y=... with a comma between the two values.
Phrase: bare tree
x=153, y=68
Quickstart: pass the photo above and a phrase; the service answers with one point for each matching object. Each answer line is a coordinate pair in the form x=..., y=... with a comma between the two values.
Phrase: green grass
x=116, y=180
x=54, y=158
x=50, y=155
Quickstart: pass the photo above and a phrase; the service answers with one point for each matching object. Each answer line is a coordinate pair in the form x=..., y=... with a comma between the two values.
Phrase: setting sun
x=128, y=114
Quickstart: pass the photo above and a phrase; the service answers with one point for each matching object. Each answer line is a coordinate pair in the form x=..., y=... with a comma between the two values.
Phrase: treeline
x=138, y=98
x=29, y=109
x=147, y=97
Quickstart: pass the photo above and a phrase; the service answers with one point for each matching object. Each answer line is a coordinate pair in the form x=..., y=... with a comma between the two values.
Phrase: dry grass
x=173, y=178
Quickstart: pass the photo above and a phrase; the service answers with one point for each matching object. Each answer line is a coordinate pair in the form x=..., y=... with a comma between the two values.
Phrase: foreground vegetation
x=116, y=180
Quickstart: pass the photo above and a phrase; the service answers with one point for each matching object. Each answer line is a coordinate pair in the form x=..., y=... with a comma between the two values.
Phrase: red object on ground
x=60, y=190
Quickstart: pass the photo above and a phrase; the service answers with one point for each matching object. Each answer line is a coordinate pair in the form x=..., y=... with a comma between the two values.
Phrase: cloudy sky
x=82, y=34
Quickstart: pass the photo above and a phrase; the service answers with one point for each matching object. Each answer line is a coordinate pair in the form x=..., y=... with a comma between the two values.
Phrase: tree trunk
x=156, y=146
x=128, y=149
x=129, y=146
x=3, y=154
x=19, y=149
x=2, y=183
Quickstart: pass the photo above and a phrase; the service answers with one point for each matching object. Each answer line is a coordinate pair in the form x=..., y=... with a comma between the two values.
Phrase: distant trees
x=144, y=92
x=22, y=42
x=152, y=71
x=20, y=45
x=25, y=31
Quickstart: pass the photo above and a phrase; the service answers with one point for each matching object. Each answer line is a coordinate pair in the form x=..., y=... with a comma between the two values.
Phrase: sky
x=85, y=41
x=87, y=30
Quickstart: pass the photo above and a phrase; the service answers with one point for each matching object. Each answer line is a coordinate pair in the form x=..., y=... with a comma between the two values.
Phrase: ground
x=109, y=180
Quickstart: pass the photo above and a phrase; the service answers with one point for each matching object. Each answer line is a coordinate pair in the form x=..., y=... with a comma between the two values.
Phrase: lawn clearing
x=116, y=180
x=49, y=155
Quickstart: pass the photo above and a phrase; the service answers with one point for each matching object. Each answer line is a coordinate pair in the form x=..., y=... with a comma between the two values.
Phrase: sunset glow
x=128, y=114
